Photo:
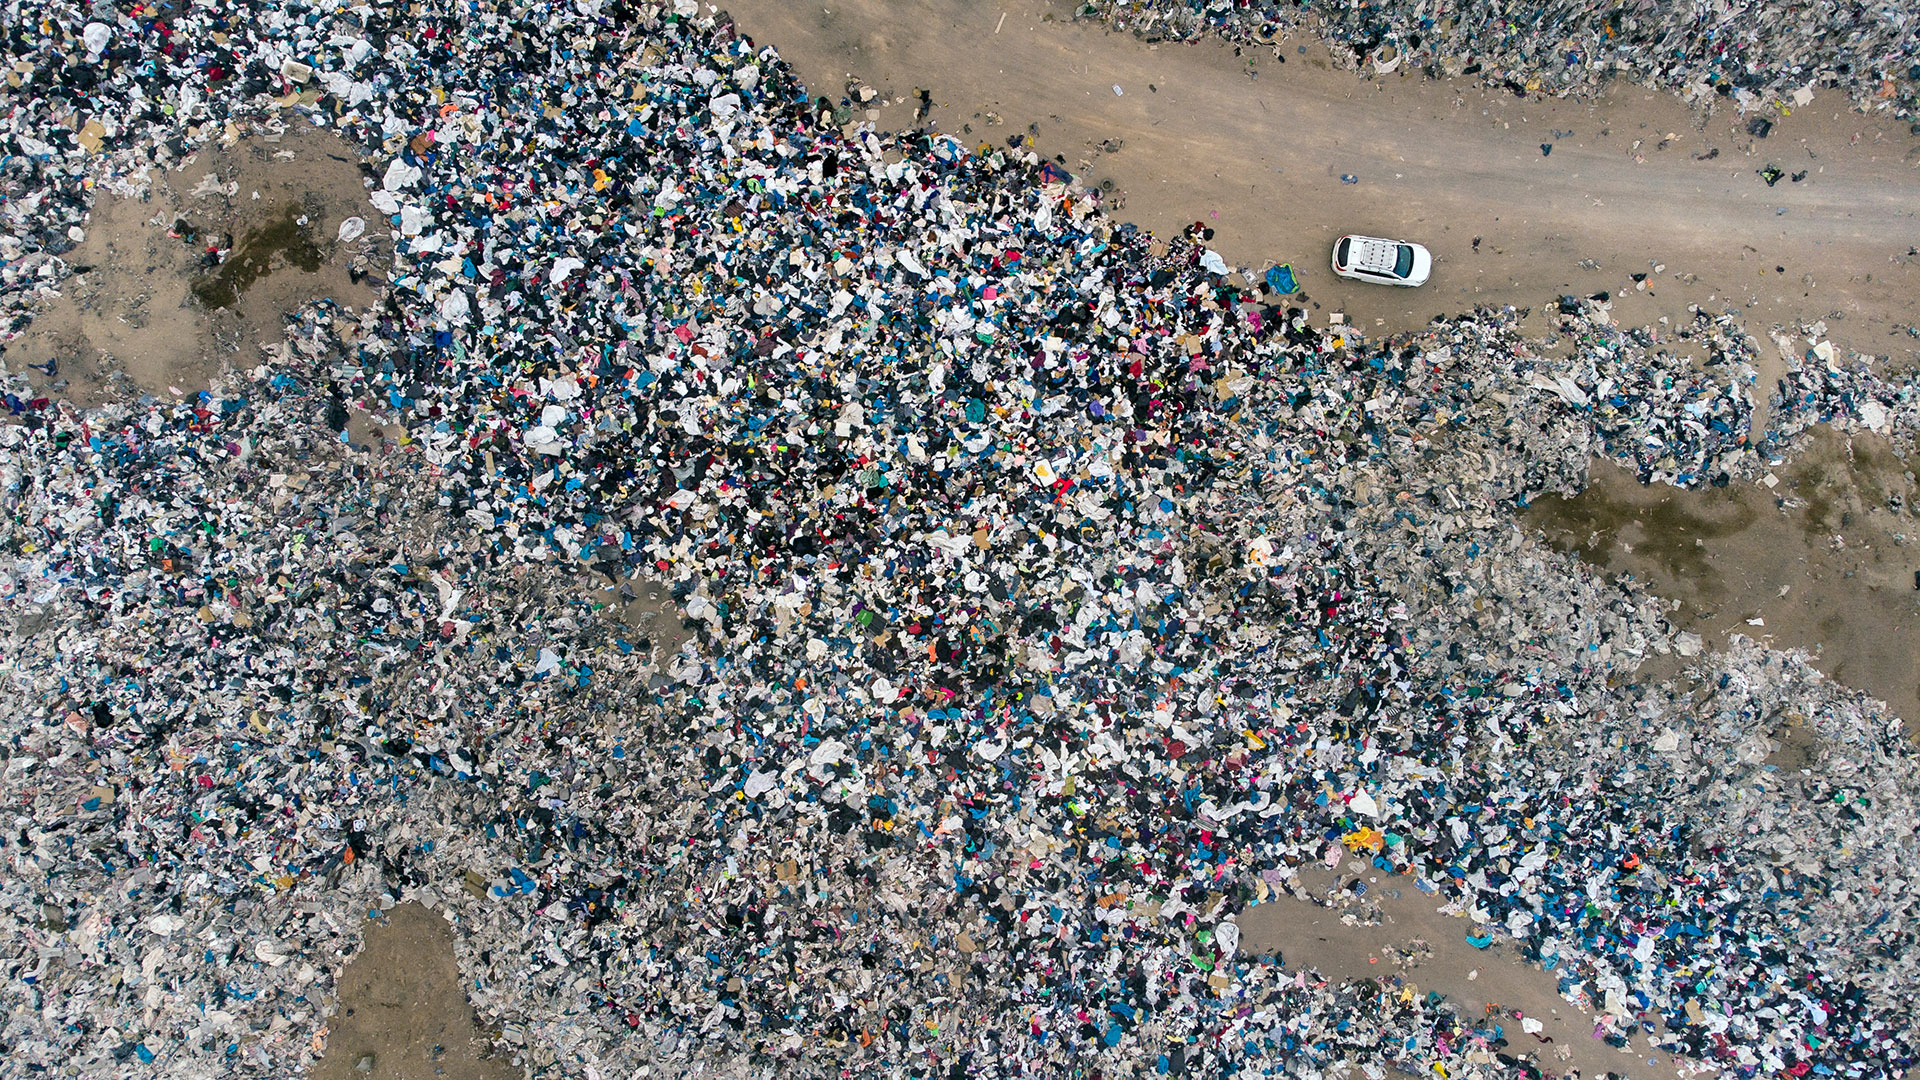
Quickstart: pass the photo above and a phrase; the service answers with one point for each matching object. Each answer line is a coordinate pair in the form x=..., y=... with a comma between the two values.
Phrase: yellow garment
x=1369, y=838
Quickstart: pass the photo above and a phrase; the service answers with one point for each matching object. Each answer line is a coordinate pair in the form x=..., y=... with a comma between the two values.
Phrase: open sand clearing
x=402, y=1008
x=1825, y=560
x=145, y=312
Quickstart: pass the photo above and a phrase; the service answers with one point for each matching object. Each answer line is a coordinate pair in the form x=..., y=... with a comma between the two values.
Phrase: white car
x=1384, y=262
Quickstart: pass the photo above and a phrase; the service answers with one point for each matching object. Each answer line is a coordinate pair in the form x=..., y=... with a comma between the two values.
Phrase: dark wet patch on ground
x=1824, y=560
x=1611, y=528
x=287, y=240
x=1843, y=489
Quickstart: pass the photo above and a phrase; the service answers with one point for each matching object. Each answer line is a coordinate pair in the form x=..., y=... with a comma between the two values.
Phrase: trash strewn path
x=1456, y=167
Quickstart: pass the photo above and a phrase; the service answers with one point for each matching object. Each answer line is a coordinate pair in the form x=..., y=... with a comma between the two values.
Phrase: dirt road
x=1257, y=149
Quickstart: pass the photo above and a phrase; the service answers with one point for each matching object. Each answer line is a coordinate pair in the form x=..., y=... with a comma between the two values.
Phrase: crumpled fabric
x=993, y=610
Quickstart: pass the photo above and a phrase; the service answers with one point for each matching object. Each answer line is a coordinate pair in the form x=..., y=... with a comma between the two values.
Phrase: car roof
x=1372, y=253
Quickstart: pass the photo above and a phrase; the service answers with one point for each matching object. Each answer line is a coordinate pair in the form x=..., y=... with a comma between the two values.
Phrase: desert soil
x=1825, y=560
x=402, y=1002
x=145, y=313
x=1391, y=929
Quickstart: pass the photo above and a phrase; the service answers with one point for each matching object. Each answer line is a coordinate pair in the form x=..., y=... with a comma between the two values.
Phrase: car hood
x=1422, y=265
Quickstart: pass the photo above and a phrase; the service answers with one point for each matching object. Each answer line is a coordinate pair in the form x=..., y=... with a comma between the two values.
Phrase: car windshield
x=1403, y=265
x=1341, y=255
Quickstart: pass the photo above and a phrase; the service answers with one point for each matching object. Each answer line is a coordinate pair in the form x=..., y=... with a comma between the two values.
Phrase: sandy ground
x=648, y=607
x=1393, y=930
x=1256, y=149
x=402, y=1001
x=147, y=314
x=1825, y=560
